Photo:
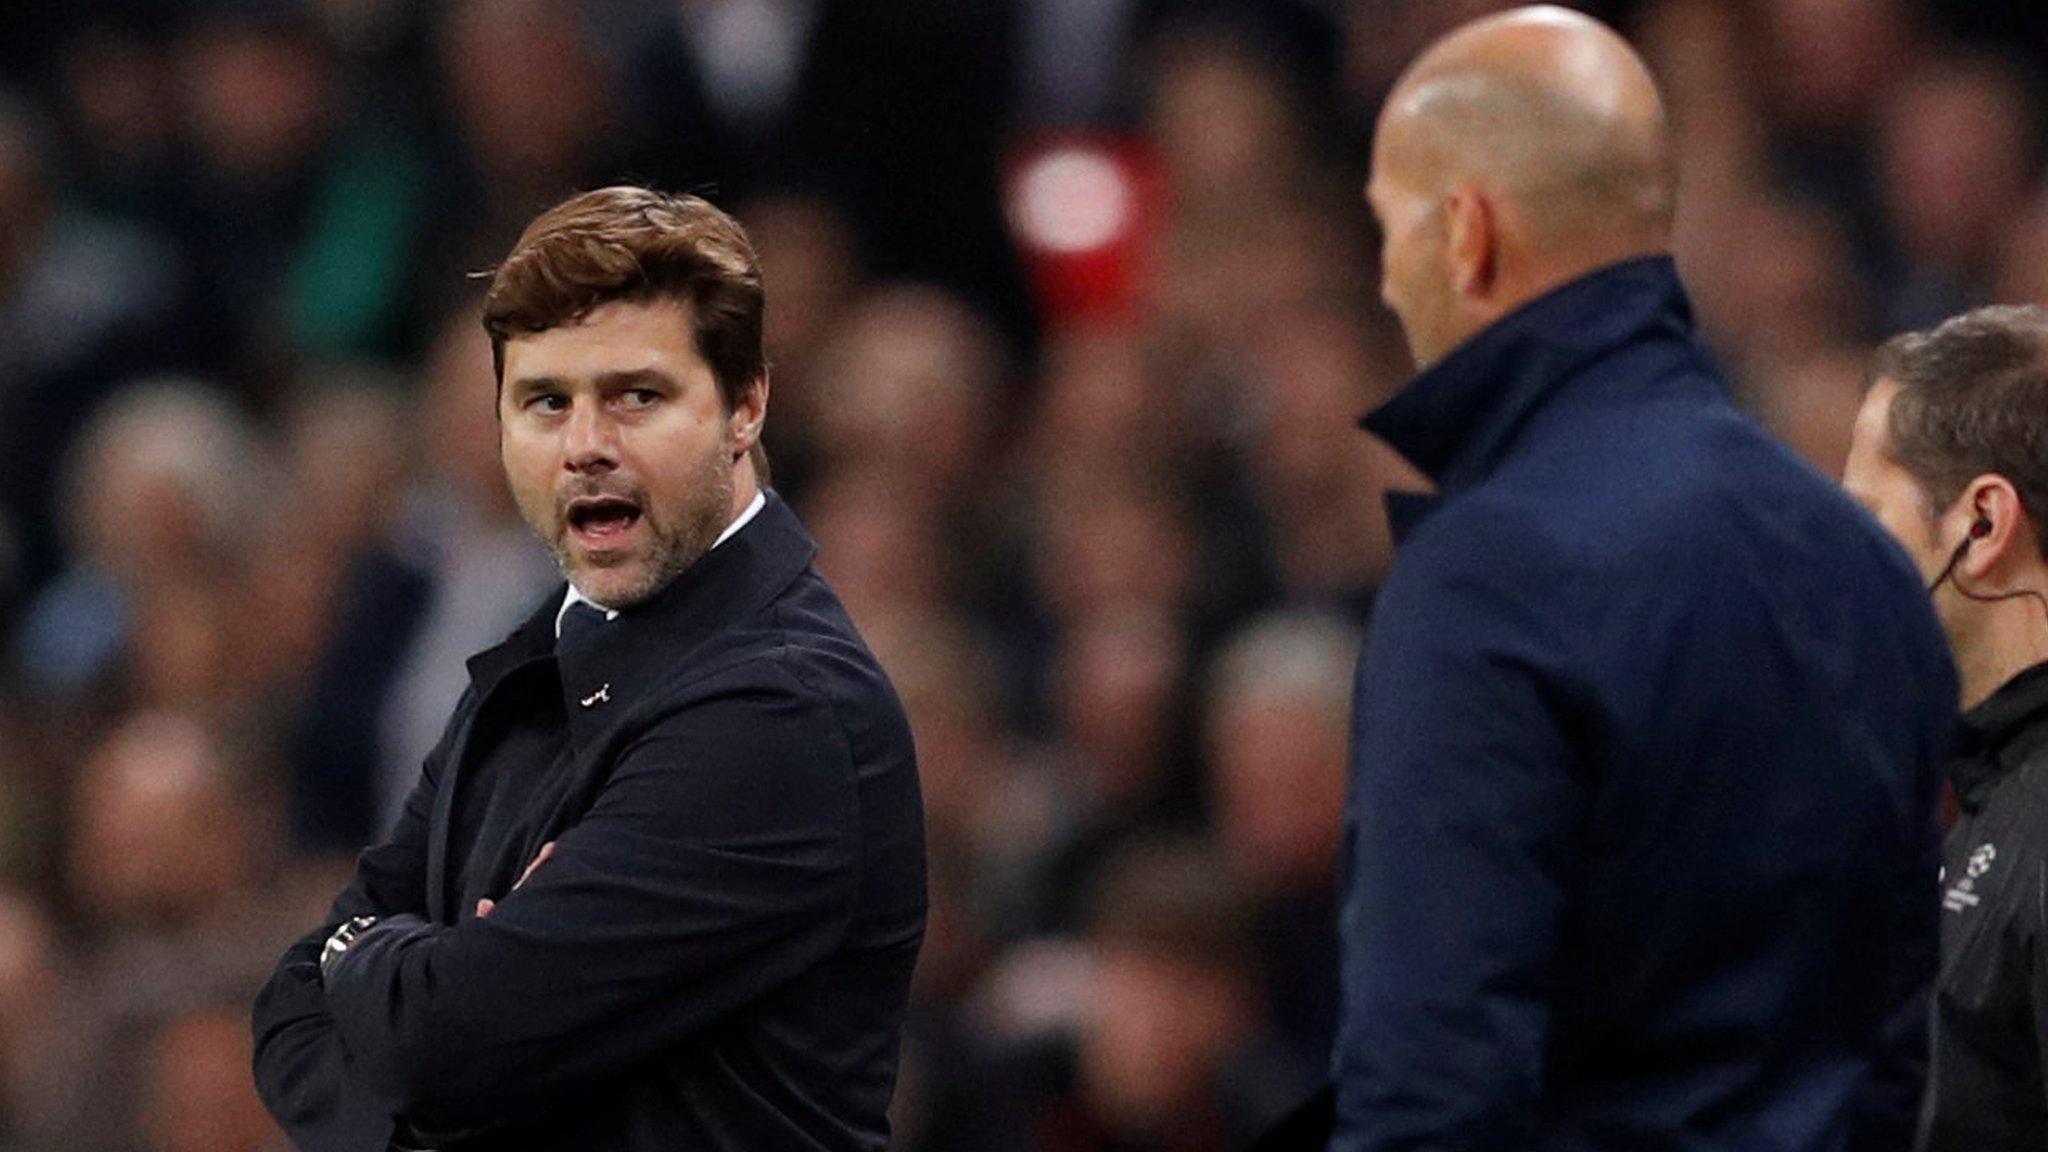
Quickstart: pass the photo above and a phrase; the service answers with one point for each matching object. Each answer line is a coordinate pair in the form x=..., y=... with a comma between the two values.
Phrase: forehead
x=1397, y=159
x=618, y=336
x=1872, y=432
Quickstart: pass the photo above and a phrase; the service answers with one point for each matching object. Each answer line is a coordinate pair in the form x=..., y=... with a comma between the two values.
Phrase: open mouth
x=602, y=522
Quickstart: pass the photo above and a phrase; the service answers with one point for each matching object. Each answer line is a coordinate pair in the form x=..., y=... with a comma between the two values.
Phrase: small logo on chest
x=1964, y=895
x=602, y=696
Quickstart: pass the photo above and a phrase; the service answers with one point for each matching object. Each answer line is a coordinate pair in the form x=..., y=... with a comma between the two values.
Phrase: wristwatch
x=338, y=943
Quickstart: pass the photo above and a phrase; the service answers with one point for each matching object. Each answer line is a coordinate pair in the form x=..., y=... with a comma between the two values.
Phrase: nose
x=589, y=438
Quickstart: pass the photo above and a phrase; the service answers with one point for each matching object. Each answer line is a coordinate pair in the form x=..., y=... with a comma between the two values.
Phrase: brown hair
x=637, y=244
x=1973, y=399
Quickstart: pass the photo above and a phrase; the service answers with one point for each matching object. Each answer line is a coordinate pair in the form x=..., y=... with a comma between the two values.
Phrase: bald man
x=1640, y=831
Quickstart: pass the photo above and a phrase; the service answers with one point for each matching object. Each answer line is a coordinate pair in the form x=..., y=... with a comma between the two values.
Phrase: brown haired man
x=661, y=885
x=1951, y=453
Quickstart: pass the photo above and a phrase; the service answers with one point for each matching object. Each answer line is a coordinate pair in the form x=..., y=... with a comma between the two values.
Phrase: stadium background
x=1071, y=311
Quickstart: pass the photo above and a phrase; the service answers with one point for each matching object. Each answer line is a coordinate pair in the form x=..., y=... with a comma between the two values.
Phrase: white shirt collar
x=575, y=595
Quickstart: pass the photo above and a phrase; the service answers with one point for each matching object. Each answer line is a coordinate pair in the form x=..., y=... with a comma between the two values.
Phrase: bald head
x=1543, y=133
x=1553, y=112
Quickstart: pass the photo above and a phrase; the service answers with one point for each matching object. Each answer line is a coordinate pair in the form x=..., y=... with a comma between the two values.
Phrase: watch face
x=342, y=938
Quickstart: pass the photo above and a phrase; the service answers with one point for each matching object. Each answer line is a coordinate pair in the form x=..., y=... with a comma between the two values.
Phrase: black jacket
x=1985, y=1091
x=718, y=954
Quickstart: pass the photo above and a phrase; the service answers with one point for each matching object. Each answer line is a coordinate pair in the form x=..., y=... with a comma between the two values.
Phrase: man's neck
x=2013, y=638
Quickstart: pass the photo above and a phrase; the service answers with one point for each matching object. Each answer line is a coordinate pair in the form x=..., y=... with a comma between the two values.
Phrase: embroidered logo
x=602, y=696
x=1964, y=894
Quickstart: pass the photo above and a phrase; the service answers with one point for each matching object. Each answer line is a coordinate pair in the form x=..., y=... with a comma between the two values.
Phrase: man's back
x=1647, y=735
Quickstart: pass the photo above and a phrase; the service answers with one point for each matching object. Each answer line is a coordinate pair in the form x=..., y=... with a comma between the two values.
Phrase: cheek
x=528, y=470
x=1404, y=265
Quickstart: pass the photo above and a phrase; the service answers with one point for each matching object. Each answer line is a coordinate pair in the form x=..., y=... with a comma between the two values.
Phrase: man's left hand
x=483, y=907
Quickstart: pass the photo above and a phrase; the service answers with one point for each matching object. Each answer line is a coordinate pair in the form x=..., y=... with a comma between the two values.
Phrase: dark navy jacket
x=1641, y=831
x=717, y=955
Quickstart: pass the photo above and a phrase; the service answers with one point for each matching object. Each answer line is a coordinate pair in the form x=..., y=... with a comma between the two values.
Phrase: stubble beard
x=672, y=549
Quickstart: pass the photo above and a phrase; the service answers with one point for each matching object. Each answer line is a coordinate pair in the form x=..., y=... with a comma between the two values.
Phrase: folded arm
x=303, y=1071
x=720, y=861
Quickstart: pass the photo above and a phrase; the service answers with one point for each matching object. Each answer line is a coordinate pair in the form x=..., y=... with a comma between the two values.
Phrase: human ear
x=1989, y=516
x=1471, y=236
x=749, y=412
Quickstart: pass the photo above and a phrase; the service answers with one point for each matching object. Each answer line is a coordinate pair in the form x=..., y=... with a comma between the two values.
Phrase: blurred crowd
x=1072, y=310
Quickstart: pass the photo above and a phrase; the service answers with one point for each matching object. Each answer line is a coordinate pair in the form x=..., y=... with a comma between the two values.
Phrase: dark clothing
x=717, y=955
x=1985, y=1091
x=1641, y=835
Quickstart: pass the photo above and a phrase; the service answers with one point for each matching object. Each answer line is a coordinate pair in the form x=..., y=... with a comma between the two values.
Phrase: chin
x=621, y=587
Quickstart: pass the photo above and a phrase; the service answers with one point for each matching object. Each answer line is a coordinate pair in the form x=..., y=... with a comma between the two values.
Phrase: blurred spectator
x=911, y=386
x=882, y=550
x=1704, y=52
x=291, y=207
x=1103, y=407
x=83, y=302
x=1168, y=1056
x=1786, y=294
x=1320, y=482
x=172, y=846
x=344, y=452
x=163, y=489
x=29, y=985
x=719, y=82
x=114, y=96
x=1118, y=543
x=899, y=118
x=1959, y=159
x=1073, y=60
x=531, y=115
x=1810, y=403
x=1119, y=753
x=2023, y=265
x=1226, y=119
x=808, y=253
x=1278, y=722
x=1826, y=68
x=451, y=575
x=197, y=1095
x=167, y=833
x=1830, y=62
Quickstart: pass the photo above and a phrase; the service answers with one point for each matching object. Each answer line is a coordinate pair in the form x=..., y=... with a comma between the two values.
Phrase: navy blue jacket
x=717, y=955
x=1641, y=831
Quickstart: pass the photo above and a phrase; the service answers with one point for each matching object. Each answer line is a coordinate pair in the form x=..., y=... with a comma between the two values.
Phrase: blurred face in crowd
x=1889, y=491
x=258, y=96
x=158, y=835
x=1161, y=1027
x=620, y=449
x=1279, y=774
x=28, y=980
x=200, y=1097
x=908, y=390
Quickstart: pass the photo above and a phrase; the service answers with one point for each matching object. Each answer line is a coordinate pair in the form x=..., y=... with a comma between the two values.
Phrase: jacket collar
x=1457, y=421
x=643, y=644
x=1999, y=735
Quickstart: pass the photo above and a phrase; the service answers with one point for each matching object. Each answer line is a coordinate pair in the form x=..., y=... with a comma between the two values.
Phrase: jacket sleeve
x=303, y=1073
x=1464, y=805
x=719, y=861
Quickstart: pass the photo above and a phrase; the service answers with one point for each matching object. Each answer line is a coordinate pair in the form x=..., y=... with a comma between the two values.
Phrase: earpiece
x=1980, y=528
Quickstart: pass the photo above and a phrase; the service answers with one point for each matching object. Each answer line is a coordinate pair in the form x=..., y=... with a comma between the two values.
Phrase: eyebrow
x=606, y=382
x=628, y=378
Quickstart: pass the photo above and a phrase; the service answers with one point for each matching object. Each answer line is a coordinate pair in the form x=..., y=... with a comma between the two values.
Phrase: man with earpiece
x=1951, y=454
